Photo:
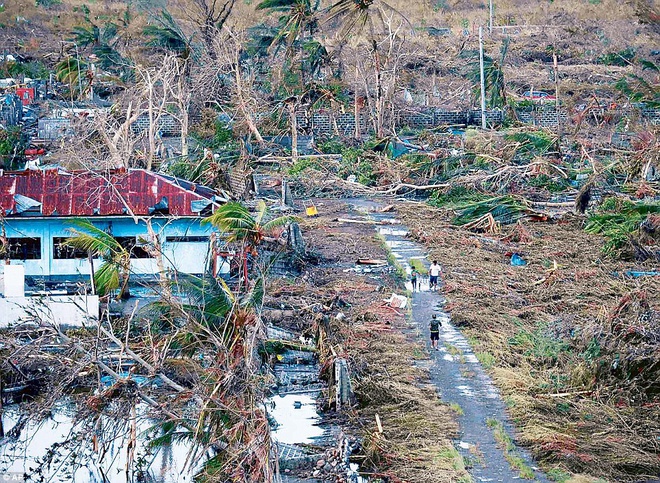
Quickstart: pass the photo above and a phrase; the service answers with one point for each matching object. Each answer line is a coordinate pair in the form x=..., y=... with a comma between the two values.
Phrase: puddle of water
x=297, y=423
x=76, y=461
x=466, y=390
x=392, y=231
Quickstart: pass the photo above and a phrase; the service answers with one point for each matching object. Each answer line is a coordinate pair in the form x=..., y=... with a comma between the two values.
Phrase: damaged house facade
x=39, y=208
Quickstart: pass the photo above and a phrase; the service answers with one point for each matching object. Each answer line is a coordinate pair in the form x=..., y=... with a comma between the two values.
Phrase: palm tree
x=356, y=14
x=105, y=42
x=168, y=35
x=115, y=271
x=495, y=83
x=75, y=73
x=297, y=16
x=241, y=227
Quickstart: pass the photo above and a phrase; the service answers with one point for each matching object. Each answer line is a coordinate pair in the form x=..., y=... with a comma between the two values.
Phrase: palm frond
x=168, y=35
x=255, y=297
x=261, y=211
x=209, y=299
x=234, y=220
x=106, y=278
x=90, y=238
x=278, y=222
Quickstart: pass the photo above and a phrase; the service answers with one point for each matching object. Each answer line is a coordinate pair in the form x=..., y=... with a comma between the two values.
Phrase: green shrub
x=355, y=161
x=12, y=145
x=331, y=146
x=538, y=345
x=621, y=59
x=301, y=165
x=554, y=185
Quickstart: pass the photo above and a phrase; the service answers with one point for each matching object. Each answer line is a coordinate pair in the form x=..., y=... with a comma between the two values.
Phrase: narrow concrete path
x=460, y=378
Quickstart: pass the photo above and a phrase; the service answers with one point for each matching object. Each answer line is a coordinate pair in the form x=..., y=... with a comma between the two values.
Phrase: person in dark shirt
x=435, y=331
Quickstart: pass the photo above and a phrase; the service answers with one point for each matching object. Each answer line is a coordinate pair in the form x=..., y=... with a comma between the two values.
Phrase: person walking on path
x=434, y=273
x=413, y=279
x=435, y=331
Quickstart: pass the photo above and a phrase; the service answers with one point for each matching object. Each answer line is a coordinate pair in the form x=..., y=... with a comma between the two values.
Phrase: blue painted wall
x=186, y=257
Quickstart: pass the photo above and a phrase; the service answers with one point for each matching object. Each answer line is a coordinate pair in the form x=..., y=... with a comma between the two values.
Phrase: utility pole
x=556, y=73
x=483, y=80
x=490, y=17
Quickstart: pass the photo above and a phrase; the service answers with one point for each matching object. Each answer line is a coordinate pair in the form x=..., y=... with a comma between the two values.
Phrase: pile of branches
x=631, y=229
x=623, y=349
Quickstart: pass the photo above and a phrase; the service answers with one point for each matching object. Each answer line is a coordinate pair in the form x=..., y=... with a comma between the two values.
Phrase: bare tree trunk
x=294, y=131
x=242, y=101
x=356, y=107
x=556, y=73
x=185, y=127
x=152, y=126
x=156, y=250
x=379, y=91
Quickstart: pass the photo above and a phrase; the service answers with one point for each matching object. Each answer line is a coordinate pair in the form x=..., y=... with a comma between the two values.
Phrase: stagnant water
x=62, y=448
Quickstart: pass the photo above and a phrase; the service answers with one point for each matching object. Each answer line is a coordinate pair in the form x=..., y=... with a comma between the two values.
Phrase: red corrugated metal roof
x=89, y=193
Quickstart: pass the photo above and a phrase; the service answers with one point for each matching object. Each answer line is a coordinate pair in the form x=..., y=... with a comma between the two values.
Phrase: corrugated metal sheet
x=54, y=128
x=90, y=193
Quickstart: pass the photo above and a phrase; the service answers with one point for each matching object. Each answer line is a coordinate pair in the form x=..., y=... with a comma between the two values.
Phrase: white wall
x=187, y=257
x=69, y=310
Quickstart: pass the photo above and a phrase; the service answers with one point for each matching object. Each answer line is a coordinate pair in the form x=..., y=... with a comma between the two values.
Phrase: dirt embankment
x=415, y=443
x=571, y=342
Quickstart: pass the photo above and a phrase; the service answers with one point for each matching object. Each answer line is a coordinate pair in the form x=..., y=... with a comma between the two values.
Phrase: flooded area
x=297, y=418
x=63, y=448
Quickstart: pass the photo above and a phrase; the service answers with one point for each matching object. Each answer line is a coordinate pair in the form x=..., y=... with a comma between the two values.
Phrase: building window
x=130, y=244
x=187, y=239
x=62, y=251
x=23, y=248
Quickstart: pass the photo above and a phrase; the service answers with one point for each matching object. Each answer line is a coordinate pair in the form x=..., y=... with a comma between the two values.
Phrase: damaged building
x=39, y=208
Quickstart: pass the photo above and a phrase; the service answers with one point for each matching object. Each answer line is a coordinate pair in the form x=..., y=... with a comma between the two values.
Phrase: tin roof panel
x=89, y=193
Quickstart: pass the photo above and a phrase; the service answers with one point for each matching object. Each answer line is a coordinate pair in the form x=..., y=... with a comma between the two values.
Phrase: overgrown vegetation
x=624, y=224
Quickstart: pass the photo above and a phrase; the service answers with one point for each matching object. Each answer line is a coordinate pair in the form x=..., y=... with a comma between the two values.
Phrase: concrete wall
x=542, y=115
x=69, y=310
x=186, y=257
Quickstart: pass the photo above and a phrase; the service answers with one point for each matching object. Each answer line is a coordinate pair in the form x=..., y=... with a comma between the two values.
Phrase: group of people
x=434, y=275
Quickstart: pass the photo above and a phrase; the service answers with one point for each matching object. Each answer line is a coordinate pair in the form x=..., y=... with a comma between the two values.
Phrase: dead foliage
x=573, y=337
x=414, y=445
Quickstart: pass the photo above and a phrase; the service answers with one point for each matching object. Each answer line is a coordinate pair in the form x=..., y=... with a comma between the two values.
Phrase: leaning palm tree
x=75, y=73
x=114, y=273
x=494, y=80
x=241, y=227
